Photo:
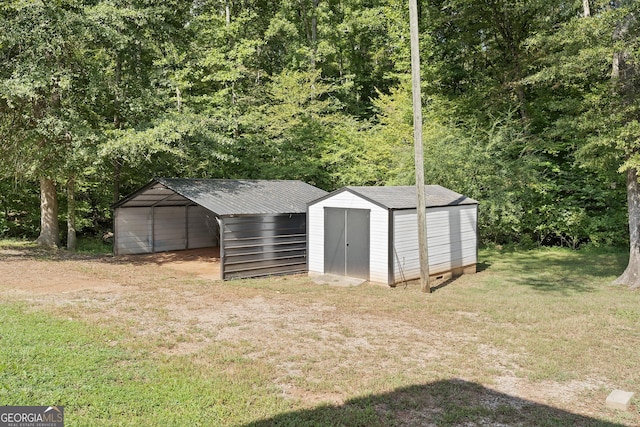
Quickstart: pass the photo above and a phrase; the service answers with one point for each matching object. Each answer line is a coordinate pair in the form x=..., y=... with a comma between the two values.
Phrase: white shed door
x=346, y=242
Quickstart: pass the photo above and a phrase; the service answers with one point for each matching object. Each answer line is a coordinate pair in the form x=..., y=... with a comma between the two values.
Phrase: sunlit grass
x=51, y=361
x=85, y=245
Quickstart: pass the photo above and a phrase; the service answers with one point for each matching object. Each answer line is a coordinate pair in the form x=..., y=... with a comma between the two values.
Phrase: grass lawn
x=535, y=338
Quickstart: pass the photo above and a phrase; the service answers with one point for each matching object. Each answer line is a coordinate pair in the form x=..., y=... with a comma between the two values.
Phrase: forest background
x=530, y=106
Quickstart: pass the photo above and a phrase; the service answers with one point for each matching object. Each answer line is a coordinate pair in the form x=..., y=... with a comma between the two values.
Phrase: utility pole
x=417, y=142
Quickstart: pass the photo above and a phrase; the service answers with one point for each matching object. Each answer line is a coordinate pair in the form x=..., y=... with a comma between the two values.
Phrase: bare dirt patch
x=204, y=262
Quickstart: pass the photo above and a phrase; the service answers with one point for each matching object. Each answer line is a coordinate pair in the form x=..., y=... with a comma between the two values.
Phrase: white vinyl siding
x=452, y=241
x=133, y=231
x=378, y=233
x=203, y=228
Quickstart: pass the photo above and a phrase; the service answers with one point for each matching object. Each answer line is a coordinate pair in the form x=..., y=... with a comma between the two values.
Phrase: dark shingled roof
x=404, y=197
x=226, y=197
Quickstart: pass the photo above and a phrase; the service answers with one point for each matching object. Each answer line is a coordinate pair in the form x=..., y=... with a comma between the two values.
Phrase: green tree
x=589, y=71
x=487, y=62
x=44, y=80
x=297, y=122
x=75, y=75
x=625, y=77
x=139, y=46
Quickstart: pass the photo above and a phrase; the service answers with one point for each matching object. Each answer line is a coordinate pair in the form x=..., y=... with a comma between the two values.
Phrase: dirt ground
x=204, y=263
x=172, y=296
x=26, y=274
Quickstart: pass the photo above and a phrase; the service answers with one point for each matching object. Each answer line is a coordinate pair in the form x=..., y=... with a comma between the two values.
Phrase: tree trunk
x=631, y=276
x=48, y=214
x=72, y=242
x=117, y=124
x=624, y=74
x=524, y=111
x=314, y=34
x=586, y=10
x=311, y=28
x=117, y=167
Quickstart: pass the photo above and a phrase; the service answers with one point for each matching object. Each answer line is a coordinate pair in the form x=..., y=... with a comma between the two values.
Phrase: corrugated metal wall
x=263, y=245
x=251, y=246
x=202, y=228
x=169, y=229
x=132, y=231
x=160, y=229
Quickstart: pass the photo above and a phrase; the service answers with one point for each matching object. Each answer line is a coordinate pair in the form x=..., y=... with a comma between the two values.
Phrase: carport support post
x=417, y=142
x=221, y=245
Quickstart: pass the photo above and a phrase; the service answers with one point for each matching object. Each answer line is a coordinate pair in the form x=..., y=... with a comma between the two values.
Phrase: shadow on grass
x=558, y=270
x=442, y=403
x=482, y=266
x=443, y=284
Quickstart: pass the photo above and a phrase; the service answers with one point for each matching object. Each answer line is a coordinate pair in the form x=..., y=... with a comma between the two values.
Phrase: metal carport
x=259, y=225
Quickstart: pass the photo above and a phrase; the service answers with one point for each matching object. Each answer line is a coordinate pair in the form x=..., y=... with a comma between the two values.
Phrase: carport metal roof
x=226, y=197
x=404, y=197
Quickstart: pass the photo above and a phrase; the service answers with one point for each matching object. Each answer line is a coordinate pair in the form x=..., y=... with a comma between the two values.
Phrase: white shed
x=371, y=233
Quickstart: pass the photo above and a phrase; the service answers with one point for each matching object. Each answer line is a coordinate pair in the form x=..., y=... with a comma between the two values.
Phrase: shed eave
x=136, y=193
x=350, y=190
x=435, y=206
x=129, y=202
x=244, y=214
x=464, y=200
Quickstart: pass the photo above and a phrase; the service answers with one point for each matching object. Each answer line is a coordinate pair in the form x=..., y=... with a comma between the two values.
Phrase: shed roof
x=404, y=197
x=226, y=197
